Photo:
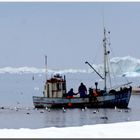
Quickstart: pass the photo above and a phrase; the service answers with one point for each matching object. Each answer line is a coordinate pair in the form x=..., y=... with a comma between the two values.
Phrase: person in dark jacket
x=70, y=93
x=82, y=90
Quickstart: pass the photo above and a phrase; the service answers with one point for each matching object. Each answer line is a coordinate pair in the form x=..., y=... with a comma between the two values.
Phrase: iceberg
x=128, y=66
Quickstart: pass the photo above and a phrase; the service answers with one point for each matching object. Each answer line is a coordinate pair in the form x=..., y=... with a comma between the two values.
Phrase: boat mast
x=46, y=66
x=105, y=59
x=46, y=88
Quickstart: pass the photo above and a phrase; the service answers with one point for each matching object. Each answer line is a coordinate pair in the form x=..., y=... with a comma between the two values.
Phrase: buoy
x=69, y=104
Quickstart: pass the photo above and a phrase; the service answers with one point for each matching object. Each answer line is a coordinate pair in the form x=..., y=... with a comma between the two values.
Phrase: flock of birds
x=64, y=110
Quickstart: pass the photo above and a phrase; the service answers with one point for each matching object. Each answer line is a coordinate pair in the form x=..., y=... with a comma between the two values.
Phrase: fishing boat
x=54, y=94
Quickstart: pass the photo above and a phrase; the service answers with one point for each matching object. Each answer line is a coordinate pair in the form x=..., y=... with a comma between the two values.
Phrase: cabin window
x=64, y=86
x=48, y=88
x=58, y=86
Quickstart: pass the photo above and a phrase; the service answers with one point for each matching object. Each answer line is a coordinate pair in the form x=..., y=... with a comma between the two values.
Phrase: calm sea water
x=16, y=91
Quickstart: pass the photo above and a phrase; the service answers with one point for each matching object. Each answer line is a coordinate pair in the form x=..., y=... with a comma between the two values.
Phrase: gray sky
x=68, y=33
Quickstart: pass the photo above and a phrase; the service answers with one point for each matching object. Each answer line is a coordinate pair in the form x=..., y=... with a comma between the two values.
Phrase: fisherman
x=70, y=93
x=82, y=90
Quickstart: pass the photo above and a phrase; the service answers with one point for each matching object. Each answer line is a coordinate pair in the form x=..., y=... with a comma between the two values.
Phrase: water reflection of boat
x=55, y=92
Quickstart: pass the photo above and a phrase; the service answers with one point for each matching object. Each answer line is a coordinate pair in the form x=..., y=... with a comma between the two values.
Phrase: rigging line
x=115, y=87
x=120, y=67
x=98, y=49
x=96, y=53
x=113, y=73
x=114, y=56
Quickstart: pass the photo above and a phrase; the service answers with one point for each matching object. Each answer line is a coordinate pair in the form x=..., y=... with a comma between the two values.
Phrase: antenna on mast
x=103, y=22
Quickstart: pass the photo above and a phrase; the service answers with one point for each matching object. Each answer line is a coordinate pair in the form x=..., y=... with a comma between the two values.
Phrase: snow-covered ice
x=114, y=130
